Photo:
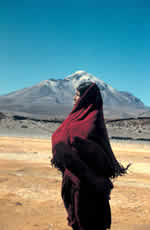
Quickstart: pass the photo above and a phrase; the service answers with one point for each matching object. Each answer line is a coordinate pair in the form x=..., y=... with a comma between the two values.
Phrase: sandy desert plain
x=30, y=187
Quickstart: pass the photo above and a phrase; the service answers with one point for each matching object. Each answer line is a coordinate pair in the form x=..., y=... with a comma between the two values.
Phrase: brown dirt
x=30, y=188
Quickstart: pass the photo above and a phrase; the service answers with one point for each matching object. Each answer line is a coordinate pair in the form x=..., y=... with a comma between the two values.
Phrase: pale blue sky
x=42, y=39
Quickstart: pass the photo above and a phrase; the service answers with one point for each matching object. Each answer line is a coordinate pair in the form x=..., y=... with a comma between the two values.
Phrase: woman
x=82, y=152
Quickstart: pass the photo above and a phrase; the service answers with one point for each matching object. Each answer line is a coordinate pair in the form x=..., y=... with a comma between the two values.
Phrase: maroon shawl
x=82, y=152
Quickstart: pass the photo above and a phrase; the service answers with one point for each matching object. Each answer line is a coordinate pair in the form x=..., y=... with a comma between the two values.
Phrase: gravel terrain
x=43, y=127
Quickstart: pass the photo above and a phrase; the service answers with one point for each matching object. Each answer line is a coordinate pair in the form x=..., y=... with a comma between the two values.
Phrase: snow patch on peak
x=80, y=75
x=77, y=75
x=81, y=72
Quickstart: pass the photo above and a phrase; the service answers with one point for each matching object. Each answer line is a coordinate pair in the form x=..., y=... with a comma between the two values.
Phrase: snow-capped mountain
x=110, y=95
x=50, y=96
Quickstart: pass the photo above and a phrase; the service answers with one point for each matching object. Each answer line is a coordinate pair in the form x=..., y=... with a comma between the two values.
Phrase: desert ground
x=30, y=187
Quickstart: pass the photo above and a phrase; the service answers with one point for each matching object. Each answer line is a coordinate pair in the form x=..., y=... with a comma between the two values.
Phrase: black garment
x=98, y=215
x=93, y=209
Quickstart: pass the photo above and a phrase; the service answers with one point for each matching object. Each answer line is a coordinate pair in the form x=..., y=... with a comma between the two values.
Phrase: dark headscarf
x=82, y=87
x=84, y=132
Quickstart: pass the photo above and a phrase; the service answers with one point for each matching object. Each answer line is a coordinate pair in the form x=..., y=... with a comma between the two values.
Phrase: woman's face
x=76, y=97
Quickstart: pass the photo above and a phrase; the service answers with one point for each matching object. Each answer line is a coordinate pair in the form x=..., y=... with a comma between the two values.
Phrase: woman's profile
x=82, y=152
